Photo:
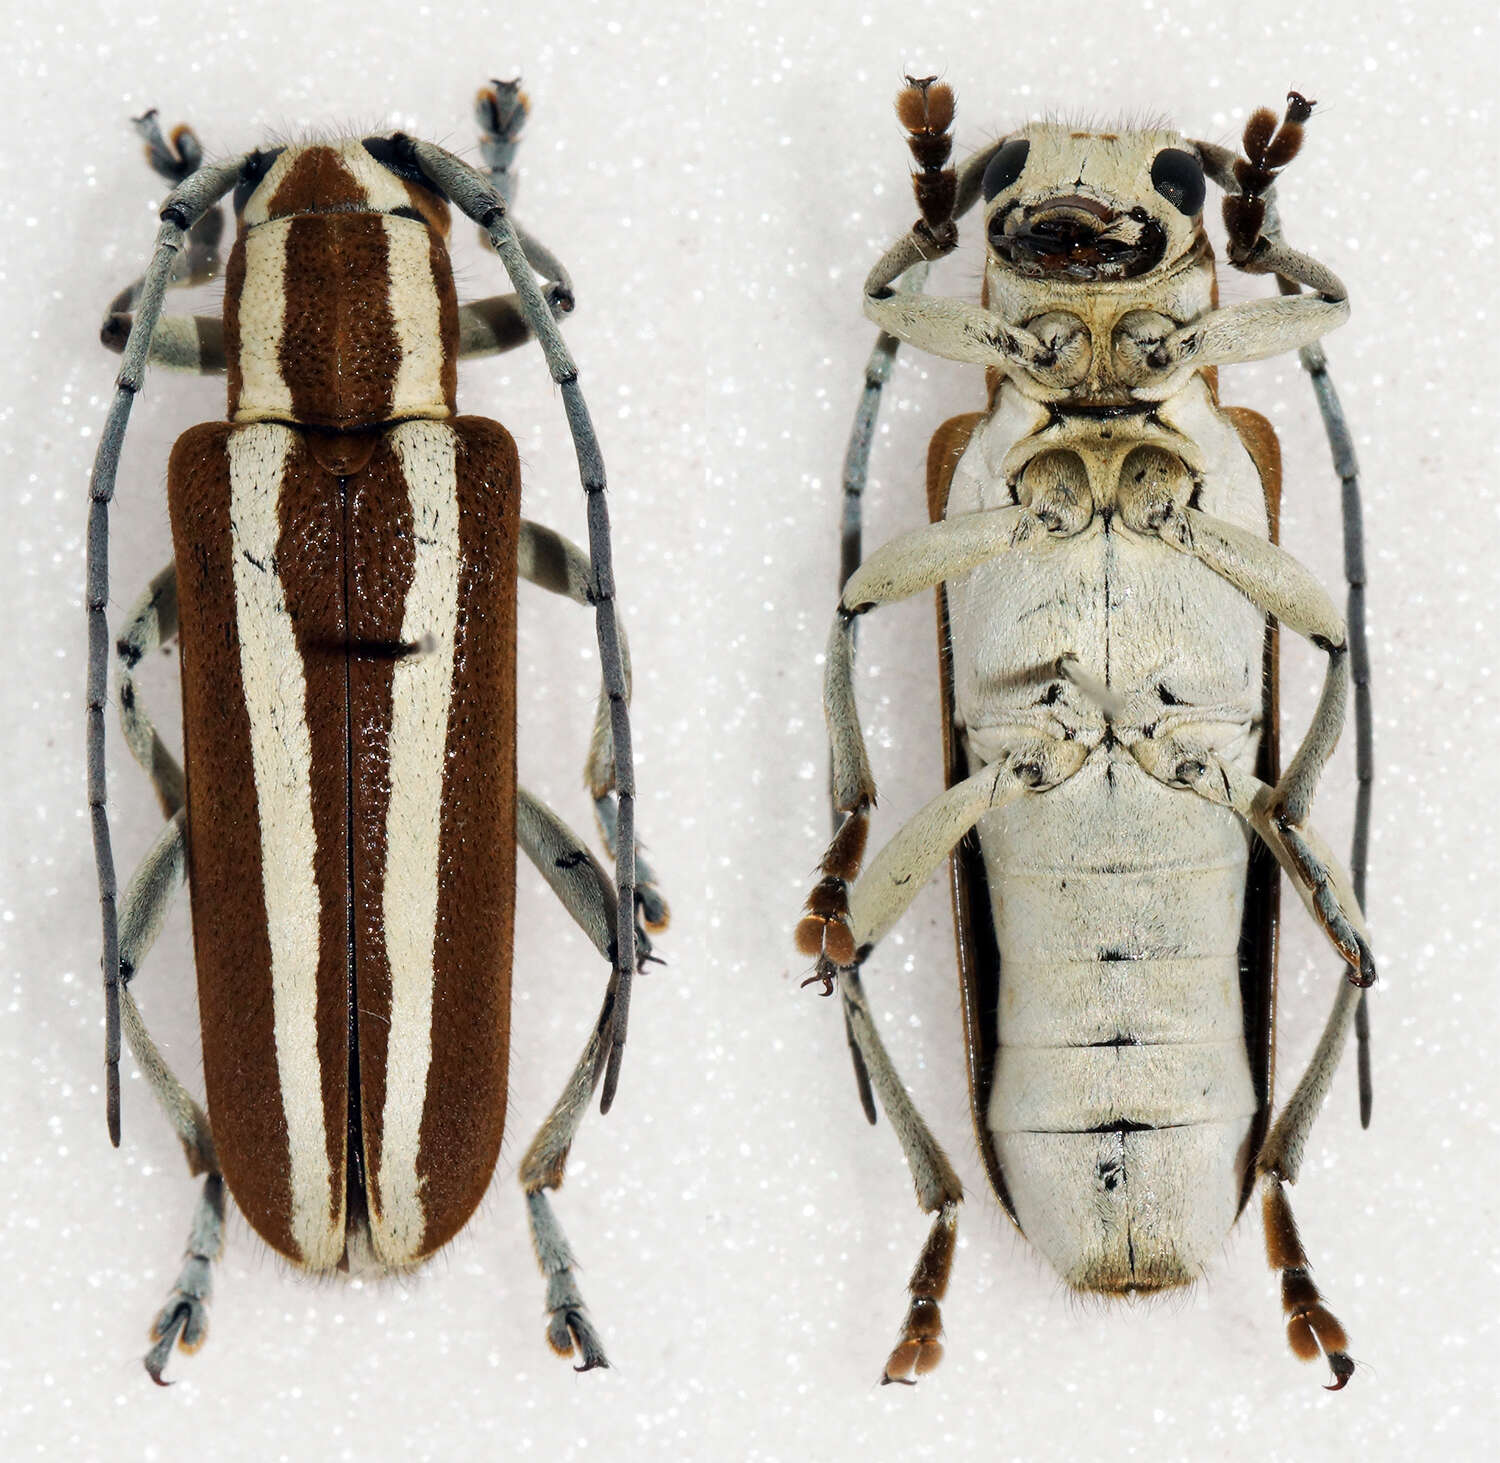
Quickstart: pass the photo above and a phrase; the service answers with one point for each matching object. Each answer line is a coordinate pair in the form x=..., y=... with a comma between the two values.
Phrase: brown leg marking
x=1310, y=1327
x=1268, y=149
x=824, y=930
x=925, y=107
x=918, y=1350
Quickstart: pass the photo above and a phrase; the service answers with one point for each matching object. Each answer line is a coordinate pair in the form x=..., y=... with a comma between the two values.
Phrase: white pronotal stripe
x=281, y=753
x=258, y=205
x=415, y=314
x=263, y=387
x=422, y=694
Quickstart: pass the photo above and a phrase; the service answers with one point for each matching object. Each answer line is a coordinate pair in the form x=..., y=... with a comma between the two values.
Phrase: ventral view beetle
x=343, y=590
x=1103, y=544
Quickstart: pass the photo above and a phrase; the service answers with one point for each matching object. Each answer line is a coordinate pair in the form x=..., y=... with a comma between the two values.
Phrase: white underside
x=1113, y=863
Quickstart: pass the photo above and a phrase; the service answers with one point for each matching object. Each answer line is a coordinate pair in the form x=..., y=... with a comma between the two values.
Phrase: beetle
x=1103, y=545
x=342, y=592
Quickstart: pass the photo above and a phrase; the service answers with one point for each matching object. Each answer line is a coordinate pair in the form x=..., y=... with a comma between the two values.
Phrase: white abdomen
x=1122, y=1099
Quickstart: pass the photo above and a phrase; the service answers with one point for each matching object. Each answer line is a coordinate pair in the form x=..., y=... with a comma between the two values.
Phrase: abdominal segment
x=1122, y=1099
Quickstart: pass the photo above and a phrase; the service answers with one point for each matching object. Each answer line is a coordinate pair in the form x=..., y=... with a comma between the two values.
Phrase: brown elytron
x=349, y=518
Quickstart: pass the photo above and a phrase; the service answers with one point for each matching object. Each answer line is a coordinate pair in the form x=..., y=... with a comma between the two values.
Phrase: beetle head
x=345, y=175
x=1092, y=207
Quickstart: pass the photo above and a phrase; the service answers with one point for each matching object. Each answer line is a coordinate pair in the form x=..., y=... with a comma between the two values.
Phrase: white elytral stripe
x=422, y=694
x=414, y=314
x=281, y=753
x=263, y=387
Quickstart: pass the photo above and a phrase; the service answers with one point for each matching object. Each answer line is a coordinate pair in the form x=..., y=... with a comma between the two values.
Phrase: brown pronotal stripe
x=316, y=181
x=442, y=278
x=234, y=284
x=339, y=350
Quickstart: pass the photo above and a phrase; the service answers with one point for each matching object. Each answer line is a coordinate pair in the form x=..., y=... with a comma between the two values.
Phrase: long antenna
x=193, y=197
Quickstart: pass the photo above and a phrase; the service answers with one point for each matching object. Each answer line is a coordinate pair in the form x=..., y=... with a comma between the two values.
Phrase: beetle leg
x=148, y=897
x=1311, y=1328
x=547, y=559
x=152, y=624
x=184, y=1319
x=851, y=552
x=490, y=326
x=193, y=343
x=498, y=323
x=1183, y=759
x=959, y=330
x=1268, y=149
x=542, y=1168
x=1273, y=581
x=1151, y=351
x=925, y=106
x=574, y=875
x=876, y=902
x=161, y=873
x=1281, y=1154
x=931, y=555
x=956, y=329
x=824, y=929
x=501, y=109
x=190, y=344
x=587, y=894
x=939, y=1193
x=1323, y=885
x=902, y=868
x=1250, y=330
x=907, y=565
x=653, y=911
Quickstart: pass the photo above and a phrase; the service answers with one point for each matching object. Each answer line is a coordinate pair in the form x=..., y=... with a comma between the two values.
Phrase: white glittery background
x=719, y=180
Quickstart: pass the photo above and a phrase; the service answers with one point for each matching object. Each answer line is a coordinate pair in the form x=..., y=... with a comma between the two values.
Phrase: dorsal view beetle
x=343, y=593
x=1104, y=549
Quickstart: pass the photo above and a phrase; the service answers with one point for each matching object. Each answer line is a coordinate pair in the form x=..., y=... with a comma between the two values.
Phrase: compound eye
x=394, y=153
x=1178, y=177
x=1005, y=167
x=257, y=165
